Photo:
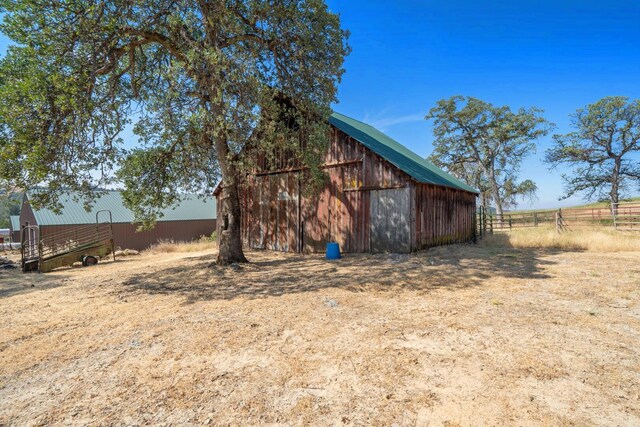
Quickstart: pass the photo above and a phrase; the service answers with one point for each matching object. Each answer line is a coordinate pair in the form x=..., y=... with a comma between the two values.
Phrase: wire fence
x=621, y=216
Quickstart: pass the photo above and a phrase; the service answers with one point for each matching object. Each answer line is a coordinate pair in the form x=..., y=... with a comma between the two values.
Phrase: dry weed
x=583, y=239
x=170, y=246
x=540, y=367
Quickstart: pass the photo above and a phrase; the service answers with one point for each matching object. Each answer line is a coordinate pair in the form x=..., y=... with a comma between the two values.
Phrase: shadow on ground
x=274, y=274
x=15, y=282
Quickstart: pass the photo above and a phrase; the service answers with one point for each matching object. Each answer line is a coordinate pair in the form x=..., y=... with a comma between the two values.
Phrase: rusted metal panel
x=126, y=236
x=27, y=217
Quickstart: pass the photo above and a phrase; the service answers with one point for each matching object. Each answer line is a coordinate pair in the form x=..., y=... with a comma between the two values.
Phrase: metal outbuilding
x=14, y=224
x=191, y=218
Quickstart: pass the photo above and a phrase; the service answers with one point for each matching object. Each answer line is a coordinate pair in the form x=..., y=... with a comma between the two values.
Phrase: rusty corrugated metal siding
x=27, y=216
x=126, y=237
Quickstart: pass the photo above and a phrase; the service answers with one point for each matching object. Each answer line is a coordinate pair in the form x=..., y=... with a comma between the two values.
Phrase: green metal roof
x=15, y=222
x=395, y=153
x=73, y=212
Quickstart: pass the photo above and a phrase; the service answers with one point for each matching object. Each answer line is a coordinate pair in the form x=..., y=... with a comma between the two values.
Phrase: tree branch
x=153, y=37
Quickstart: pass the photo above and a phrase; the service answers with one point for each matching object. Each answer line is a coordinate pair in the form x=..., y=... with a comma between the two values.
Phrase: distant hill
x=586, y=205
x=490, y=210
x=602, y=204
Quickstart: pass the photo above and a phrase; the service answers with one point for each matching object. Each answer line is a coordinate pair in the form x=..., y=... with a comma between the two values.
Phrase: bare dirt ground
x=453, y=336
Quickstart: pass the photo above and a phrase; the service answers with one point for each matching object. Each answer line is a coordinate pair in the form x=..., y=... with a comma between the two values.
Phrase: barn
x=187, y=221
x=379, y=197
x=15, y=228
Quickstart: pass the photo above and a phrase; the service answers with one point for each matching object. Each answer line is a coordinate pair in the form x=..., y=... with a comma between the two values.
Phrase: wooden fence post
x=484, y=220
x=559, y=221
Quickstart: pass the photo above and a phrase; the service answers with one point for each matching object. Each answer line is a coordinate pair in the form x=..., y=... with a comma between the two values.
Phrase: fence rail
x=621, y=216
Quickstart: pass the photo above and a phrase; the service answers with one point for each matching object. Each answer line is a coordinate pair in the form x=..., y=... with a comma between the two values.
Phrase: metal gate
x=43, y=253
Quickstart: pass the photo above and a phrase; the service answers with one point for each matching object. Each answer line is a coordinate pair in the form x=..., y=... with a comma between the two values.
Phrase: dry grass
x=581, y=239
x=583, y=206
x=170, y=246
x=455, y=336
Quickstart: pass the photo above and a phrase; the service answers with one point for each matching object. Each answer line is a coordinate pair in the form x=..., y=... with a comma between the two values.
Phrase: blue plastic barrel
x=333, y=250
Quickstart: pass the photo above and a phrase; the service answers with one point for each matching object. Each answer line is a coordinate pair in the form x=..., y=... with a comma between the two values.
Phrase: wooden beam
x=278, y=171
x=343, y=163
x=391, y=187
x=298, y=169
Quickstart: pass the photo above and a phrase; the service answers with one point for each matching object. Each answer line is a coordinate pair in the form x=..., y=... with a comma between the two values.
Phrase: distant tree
x=485, y=145
x=199, y=80
x=600, y=150
x=465, y=170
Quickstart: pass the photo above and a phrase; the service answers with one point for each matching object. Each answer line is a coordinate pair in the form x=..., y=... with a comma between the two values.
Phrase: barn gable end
x=379, y=197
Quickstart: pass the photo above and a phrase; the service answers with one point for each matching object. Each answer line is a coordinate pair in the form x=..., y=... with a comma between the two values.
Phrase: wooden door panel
x=390, y=220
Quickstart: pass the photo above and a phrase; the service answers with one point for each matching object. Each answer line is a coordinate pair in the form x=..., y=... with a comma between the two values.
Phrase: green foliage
x=196, y=80
x=485, y=145
x=600, y=150
x=10, y=204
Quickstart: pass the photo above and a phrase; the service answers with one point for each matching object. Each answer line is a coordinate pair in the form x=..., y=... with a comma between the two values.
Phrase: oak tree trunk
x=614, y=195
x=230, y=250
x=230, y=240
x=495, y=192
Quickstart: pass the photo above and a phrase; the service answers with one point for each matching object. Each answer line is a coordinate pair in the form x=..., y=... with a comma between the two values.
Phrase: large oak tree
x=601, y=150
x=485, y=145
x=198, y=81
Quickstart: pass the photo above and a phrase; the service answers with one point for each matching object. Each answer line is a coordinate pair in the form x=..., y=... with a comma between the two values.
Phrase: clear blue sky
x=557, y=55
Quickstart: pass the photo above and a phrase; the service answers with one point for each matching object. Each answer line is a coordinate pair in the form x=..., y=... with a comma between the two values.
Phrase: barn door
x=390, y=220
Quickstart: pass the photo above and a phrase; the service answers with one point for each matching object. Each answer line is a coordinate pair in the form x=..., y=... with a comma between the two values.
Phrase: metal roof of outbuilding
x=397, y=154
x=15, y=222
x=73, y=211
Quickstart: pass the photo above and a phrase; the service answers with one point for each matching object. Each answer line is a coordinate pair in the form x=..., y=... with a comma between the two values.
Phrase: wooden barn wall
x=270, y=212
x=277, y=215
x=443, y=215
